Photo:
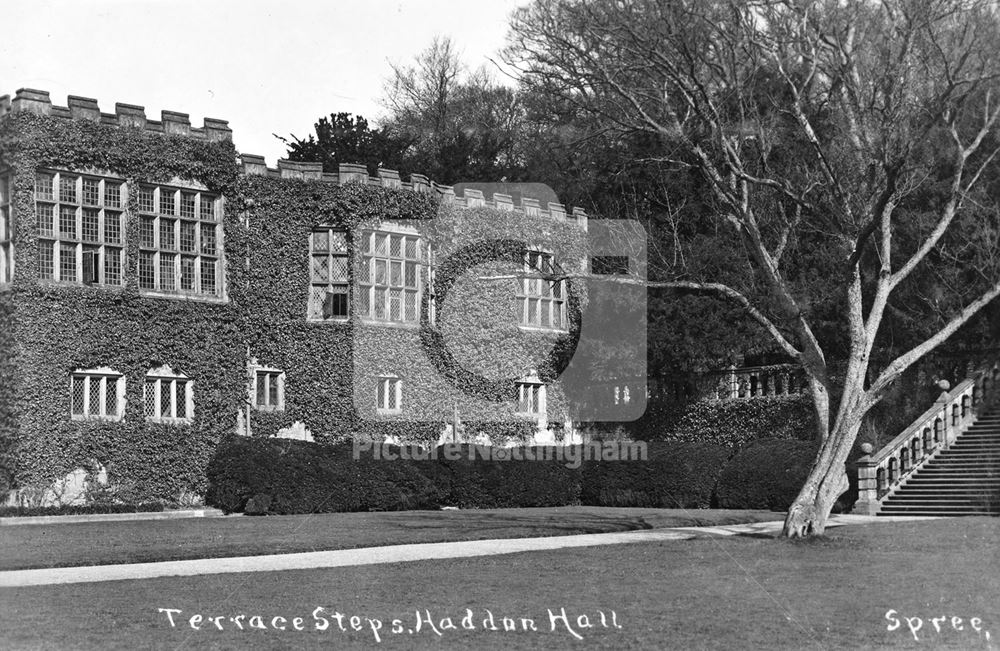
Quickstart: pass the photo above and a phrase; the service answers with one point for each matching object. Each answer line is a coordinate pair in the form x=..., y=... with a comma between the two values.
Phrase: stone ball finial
x=944, y=385
x=867, y=448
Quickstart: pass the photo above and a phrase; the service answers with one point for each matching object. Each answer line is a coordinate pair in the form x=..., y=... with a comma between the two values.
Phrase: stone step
x=945, y=513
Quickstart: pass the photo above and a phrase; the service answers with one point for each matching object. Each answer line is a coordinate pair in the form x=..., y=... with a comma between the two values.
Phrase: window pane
x=91, y=192
x=165, y=407
x=45, y=218
x=208, y=238
x=46, y=259
x=90, y=225
x=380, y=243
x=67, y=222
x=338, y=241
x=67, y=262
x=111, y=397
x=67, y=188
x=363, y=297
x=187, y=204
x=272, y=389
x=182, y=391
x=112, y=194
x=380, y=272
x=167, y=233
x=395, y=305
x=95, y=396
x=317, y=301
x=146, y=232
x=76, y=395
x=321, y=240
x=166, y=201
x=43, y=186
x=411, y=274
x=207, y=207
x=146, y=200
x=112, y=227
x=149, y=398
x=187, y=272
x=391, y=397
x=146, y=274
x=411, y=248
x=410, y=311
x=396, y=246
x=321, y=268
x=167, y=271
x=379, y=306
x=396, y=274
x=112, y=266
x=207, y=276
x=337, y=302
x=188, y=230
x=338, y=269
x=380, y=393
x=261, y=389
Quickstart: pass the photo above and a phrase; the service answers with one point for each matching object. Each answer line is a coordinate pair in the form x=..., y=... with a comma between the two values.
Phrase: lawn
x=101, y=543
x=725, y=593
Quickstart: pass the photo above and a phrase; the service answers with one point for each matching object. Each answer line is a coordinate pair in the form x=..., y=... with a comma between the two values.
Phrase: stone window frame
x=268, y=383
x=108, y=384
x=168, y=267
x=180, y=388
x=531, y=398
x=388, y=394
x=329, y=274
x=376, y=246
x=93, y=251
x=549, y=298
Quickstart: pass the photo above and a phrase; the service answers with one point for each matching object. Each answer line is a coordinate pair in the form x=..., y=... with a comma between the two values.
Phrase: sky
x=268, y=67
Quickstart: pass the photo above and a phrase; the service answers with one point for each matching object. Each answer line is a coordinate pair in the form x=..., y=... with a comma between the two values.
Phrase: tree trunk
x=826, y=482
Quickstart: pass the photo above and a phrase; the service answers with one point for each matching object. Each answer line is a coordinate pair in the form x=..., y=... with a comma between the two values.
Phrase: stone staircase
x=962, y=478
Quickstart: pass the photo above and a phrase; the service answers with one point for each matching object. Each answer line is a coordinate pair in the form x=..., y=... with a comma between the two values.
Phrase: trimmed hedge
x=283, y=476
x=766, y=475
x=675, y=475
x=730, y=423
x=476, y=481
x=79, y=509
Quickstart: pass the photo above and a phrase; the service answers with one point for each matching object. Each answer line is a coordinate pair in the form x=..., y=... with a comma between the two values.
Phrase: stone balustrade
x=734, y=383
x=881, y=473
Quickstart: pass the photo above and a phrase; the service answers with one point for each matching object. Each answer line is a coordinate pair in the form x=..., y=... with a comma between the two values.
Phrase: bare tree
x=862, y=128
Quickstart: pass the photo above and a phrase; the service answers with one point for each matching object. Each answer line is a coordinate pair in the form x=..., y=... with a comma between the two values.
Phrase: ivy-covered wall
x=331, y=367
x=59, y=327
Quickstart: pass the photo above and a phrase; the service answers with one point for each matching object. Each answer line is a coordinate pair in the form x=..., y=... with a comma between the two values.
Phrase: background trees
x=826, y=169
x=843, y=147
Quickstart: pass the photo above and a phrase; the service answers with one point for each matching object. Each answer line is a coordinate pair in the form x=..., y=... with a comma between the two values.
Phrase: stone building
x=160, y=291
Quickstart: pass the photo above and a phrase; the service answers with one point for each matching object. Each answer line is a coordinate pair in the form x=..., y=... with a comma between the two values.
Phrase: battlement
x=29, y=100
x=253, y=164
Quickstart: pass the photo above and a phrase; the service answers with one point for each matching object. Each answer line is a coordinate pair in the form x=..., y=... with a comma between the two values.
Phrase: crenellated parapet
x=253, y=164
x=132, y=116
x=29, y=100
